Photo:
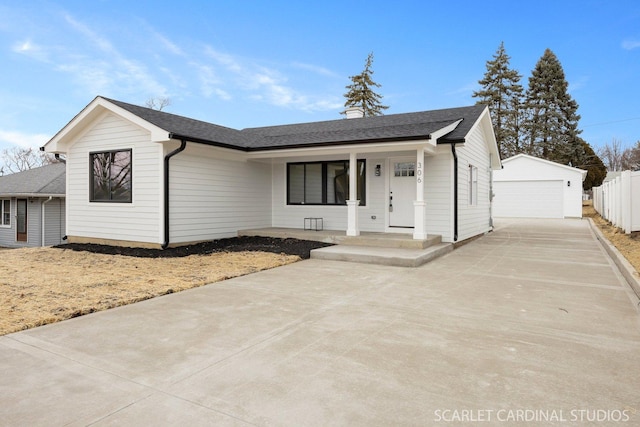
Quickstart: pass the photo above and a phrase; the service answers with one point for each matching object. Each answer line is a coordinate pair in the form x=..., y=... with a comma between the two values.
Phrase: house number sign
x=419, y=172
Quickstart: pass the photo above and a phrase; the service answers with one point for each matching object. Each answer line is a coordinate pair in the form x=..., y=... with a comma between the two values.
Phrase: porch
x=396, y=249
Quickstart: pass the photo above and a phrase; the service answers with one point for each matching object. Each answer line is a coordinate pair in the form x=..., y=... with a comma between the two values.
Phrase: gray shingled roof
x=387, y=128
x=182, y=126
x=43, y=181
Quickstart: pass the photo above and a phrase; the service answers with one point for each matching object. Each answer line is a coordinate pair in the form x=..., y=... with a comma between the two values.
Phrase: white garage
x=529, y=187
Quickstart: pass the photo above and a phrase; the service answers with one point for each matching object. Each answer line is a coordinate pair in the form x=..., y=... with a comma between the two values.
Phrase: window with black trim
x=110, y=176
x=324, y=183
x=5, y=212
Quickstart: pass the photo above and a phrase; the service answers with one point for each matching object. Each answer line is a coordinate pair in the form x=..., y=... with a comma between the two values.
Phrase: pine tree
x=596, y=170
x=502, y=92
x=360, y=93
x=551, y=123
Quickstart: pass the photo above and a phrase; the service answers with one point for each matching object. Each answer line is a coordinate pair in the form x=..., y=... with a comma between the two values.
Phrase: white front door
x=402, y=192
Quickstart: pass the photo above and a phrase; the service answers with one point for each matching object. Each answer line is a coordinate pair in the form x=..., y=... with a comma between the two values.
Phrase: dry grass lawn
x=627, y=244
x=46, y=285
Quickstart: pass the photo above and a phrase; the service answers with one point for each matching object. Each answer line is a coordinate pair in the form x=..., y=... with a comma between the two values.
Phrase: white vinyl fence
x=618, y=201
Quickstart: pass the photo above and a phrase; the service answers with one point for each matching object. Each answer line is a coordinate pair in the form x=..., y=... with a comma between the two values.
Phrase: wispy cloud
x=263, y=84
x=464, y=90
x=30, y=49
x=93, y=62
x=22, y=139
x=630, y=44
x=165, y=42
x=578, y=84
x=316, y=69
x=118, y=71
x=136, y=66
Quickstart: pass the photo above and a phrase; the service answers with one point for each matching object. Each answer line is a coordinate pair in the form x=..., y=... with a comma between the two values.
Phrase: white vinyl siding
x=438, y=193
x=214, y=194
x=138, y=221
x=474, y=218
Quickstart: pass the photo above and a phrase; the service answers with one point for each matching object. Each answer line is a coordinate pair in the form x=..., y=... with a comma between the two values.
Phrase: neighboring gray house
x=32, y=207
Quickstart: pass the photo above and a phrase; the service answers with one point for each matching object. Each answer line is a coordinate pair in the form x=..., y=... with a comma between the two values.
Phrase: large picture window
x=111, y=176
x=323, y=183
x=5, y=212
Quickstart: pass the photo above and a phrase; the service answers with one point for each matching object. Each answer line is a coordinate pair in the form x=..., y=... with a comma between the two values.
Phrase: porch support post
x=419, y=205
x=352, y=203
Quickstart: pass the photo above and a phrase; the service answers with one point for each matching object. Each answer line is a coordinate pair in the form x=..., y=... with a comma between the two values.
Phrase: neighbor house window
x=111, y=176
x=5, y=212
x=473, y=185
x=323, y=183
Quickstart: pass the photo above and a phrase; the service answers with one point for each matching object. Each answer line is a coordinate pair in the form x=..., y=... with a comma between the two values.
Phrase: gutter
x=183, y=145
x=249, y=149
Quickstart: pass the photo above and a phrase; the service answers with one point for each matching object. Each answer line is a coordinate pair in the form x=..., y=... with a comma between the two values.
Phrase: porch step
x=399, y=257
x=389, y=240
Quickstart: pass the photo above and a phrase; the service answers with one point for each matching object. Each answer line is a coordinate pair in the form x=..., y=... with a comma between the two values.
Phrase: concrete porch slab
x=399, y=257
x=339, y=237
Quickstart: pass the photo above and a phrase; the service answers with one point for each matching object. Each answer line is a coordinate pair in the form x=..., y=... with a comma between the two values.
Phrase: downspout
x=183, y=145
x=490, y=192
x=43, y=219
x=455, y=192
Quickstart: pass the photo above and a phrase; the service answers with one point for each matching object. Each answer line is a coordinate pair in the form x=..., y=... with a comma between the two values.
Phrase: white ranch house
x=141, y=177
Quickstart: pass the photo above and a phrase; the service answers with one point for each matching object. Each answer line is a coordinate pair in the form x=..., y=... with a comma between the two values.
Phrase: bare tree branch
x=158, y=103
x=18, y=159
x=611, y=155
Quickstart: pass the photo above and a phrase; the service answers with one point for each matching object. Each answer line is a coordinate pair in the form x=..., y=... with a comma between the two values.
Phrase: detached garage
x=529, y=187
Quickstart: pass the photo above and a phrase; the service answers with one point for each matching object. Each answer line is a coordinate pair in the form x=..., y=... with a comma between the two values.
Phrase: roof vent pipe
x=354, y=113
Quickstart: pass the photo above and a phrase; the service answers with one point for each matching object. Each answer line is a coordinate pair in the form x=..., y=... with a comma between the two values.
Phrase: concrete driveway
x=530, y=323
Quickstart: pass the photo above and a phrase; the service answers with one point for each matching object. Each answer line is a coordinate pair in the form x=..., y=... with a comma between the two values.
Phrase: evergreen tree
x=360, y=92
x=502, y=92
x=596, y=170
x=551, y=123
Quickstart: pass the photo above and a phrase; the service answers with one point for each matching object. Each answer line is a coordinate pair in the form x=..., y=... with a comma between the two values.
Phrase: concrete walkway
x=532, y=322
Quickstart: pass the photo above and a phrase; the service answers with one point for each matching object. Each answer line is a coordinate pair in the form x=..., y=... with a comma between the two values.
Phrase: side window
x=110, y=176
x=473, y=185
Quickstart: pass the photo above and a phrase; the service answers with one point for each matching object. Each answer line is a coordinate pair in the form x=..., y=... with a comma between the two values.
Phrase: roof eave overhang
x=43, y=195
x=82, y=121
x=360, y=146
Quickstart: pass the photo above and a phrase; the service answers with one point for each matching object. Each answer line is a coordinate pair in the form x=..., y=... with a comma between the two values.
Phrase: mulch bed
x=301, y=248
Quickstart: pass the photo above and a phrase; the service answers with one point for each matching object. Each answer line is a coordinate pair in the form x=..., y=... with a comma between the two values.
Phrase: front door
x=21, y=223
x=402, y=192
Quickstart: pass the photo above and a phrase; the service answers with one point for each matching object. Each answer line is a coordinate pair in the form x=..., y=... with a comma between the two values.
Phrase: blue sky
x=256, y=63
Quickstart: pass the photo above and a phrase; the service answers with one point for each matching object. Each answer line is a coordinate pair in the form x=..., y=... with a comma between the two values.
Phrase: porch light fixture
x=377, y=170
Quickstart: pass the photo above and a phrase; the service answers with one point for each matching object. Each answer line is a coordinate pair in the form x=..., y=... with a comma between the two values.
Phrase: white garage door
x=528, y=199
